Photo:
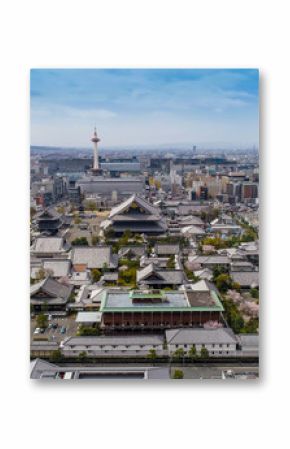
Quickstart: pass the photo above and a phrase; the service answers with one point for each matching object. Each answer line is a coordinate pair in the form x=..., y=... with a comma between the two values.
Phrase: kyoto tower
x=95, y=141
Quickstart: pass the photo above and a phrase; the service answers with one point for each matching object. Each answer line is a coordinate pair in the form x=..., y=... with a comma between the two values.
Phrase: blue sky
x=215, y=108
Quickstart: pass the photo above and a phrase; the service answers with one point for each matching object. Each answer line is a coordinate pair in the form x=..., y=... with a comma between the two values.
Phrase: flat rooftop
x=169, y=301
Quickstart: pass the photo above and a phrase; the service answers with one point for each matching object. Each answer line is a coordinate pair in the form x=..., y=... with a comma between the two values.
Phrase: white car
x=37, y=330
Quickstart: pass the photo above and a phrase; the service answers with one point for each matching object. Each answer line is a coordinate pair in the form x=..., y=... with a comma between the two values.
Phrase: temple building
x=160, y=309
x=137, y=215
x=49, y=221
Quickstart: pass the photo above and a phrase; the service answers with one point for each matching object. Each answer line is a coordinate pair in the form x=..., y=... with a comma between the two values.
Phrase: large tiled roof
x=48, y=245
x=246, y=278
x=52, y=287
x=58, y=267
x=164, y=276
x=139, y=201
x=192, y=230
x=211, y=260
x=136, y=250
x=166, y=248
x=115, y=340
x=93, y=256
x=201, y=336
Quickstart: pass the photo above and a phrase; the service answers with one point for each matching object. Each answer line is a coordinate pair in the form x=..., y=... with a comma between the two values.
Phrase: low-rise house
x=110, y=278
x=44, y=247
x=249, y=344
x=80, y=278
x=218, y=342
x=160, y=262
x=90, y=257
x=191, y=221
x=113, y=345
x=246, y=279
x=89, y=318
x=250, y=250
x=192, y=231
x=49, y=295
x=211, y=261
x=158, y=278
x=132, y=251
x=43, y=348
x=205, y=274
x=242, y=265
x=88, y=298
x=57, y=268
x=226, y=229
x=166, y=249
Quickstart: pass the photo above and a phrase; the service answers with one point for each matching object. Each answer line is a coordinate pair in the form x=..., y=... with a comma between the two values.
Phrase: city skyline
x=139, y=107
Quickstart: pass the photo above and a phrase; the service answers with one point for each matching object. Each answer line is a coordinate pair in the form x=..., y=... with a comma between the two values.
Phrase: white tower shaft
x=95, y=141
x=96, y=156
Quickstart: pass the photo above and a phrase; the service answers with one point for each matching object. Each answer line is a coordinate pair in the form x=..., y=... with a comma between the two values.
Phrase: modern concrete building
x=111, y=187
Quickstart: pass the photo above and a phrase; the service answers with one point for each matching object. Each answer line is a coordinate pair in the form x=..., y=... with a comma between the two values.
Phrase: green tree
x=251, y=327
x=56, y=356
x=171, y=262
x=223, y=282
x=41, y=320
x=152, y=354
x=82, y=355
x=178, y=374
x=80, y=241
x=219, y=269
x=105, y=267
x=254, y=293
x=192, y=352
x=88, y=331
x=179, y=354
x=204, y=352
x=96, y=274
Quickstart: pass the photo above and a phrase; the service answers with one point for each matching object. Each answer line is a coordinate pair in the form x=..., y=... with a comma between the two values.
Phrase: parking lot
x=55, y=334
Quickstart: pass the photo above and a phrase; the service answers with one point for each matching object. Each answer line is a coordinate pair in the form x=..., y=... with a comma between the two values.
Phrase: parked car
x=49, y=317
x=37, y=330
x=54, y=325
x=63, y=330
x=42, y=330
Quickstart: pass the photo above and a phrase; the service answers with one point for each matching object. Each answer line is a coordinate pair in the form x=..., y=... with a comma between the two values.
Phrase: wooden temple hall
x=152, y=309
